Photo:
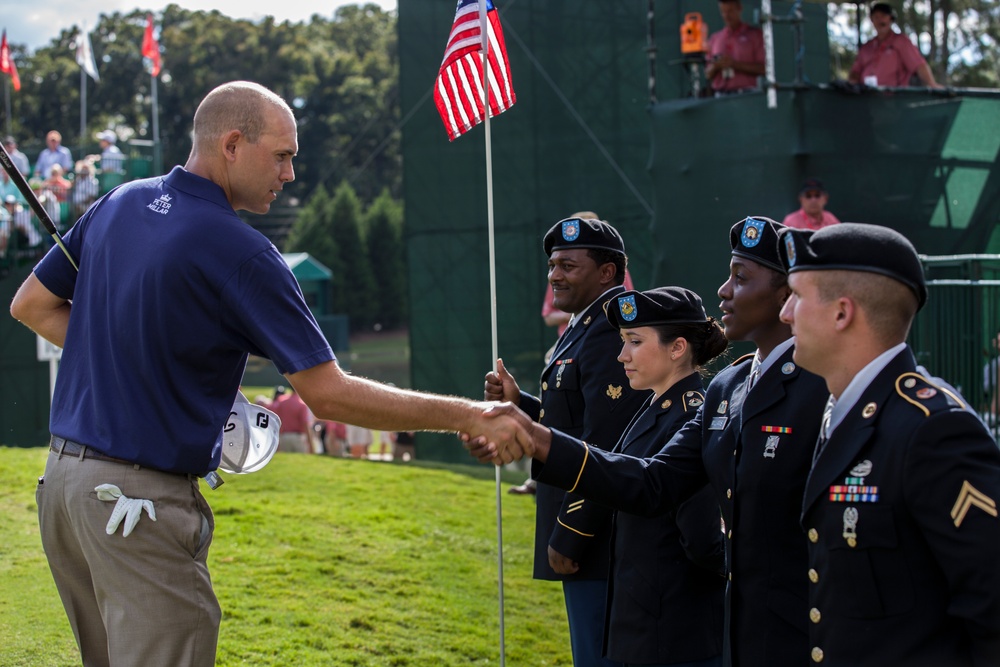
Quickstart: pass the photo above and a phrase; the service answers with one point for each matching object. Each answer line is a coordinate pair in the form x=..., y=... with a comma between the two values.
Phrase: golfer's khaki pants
x=143, y=600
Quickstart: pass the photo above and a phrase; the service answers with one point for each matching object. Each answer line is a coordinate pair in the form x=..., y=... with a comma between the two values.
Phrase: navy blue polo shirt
x=174, y=291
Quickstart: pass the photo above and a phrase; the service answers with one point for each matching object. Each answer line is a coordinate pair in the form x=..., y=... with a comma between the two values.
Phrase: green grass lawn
x=321, y=561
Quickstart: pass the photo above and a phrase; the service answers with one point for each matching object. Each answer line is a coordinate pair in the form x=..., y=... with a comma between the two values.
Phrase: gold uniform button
x=730, y=534
x=729, y=493
x=813, y=576
x=813, y=535
x=541, y=413
x=730, y=576
x=545, y=385
x=814, y=615
x=817, y=654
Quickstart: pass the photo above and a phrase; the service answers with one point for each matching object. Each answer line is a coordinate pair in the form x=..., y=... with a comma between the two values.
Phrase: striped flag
x=458, y=92
x=7, y=65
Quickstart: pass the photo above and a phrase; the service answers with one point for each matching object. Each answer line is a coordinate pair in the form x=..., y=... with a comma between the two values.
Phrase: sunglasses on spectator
x=813, y=195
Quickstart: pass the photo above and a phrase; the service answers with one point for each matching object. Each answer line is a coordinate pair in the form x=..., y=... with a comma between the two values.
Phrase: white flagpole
x=83, y=106
x=155, y=171
x=493, y=296
x=6, y=100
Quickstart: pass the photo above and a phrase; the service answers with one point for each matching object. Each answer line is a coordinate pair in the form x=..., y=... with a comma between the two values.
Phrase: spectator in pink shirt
x=297, y=434
x=890, y=59
x=813, y=213
x=735, y=53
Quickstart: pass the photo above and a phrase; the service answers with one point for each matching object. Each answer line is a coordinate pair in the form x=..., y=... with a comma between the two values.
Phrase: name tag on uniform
x=718, y=423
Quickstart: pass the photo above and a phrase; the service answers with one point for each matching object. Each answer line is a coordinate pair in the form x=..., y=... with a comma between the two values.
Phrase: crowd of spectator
x=65, y=188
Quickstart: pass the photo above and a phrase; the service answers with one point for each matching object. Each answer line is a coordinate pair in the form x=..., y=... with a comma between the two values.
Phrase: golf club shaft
x=36, y=206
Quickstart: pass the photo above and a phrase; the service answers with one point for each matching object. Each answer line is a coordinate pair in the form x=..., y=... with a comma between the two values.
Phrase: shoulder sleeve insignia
x=968, y=498
x=917, y=390
x=693, y=399
x=613, y=392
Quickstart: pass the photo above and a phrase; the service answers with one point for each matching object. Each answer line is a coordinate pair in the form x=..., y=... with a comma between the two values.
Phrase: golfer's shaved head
x=238, y=105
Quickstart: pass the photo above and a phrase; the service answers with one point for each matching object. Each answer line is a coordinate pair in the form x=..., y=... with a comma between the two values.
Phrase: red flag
x=7, y=65
x=151, y=48
x=458, y=92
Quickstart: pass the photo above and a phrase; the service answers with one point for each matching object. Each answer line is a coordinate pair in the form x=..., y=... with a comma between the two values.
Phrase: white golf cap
x=107, y=135
x=250, y=437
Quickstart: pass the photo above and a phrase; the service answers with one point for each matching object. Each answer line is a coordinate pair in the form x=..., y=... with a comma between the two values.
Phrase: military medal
x=851, y=526
x=854, y=489
x=771, y=446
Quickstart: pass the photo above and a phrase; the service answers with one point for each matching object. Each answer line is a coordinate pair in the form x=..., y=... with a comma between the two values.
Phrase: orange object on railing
x=694, y=34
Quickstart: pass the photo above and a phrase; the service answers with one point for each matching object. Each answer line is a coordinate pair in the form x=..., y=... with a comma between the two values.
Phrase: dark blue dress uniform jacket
x=586, y=393
x=666, y=589
x=755, y=451
x=904, y=541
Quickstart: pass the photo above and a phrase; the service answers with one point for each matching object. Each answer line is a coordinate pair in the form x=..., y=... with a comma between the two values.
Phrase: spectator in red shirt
x=58, y=184
x=813, y=213
x=297, y=434
x=735, y=53
x=890, y=59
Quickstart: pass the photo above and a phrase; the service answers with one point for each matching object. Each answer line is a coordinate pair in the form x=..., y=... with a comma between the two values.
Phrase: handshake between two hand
x=504, y=435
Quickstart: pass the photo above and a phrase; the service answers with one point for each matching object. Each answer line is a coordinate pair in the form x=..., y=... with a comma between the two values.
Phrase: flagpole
x=495, y=348
x=156, y=130
x=83, y=107
x=6, y=98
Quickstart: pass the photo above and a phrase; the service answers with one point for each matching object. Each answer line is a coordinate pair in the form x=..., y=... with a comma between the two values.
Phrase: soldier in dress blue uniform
x=586, y=393
x=900, y=508
x=666, y=589
x=751, y=442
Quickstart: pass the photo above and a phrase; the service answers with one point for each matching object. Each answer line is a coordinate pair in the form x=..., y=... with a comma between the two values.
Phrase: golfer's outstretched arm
x=337, y=396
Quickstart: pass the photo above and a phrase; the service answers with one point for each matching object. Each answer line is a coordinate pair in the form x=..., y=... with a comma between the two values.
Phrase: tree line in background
x=341, y=77
x=363, y=245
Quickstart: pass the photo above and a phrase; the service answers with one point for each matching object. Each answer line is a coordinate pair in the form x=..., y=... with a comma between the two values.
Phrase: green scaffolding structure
x=673, y=175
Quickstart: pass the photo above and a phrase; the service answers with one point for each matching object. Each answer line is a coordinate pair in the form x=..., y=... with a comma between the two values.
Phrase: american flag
x=458, y=92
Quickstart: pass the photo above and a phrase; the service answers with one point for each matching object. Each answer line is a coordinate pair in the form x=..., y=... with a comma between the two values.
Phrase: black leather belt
x=66, y=447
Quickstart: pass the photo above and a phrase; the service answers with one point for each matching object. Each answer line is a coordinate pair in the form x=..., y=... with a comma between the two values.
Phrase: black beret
x=756, y=238
x=663, y=305
x=852, y=246
x=582, y=233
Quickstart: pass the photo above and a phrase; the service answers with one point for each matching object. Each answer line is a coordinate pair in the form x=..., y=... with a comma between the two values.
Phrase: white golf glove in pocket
x=129, y=509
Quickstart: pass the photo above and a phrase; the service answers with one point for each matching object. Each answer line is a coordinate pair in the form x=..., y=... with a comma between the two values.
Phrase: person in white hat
x=112, y=158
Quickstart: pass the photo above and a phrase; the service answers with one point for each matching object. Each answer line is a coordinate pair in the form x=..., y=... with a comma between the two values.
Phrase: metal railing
x=955, y=335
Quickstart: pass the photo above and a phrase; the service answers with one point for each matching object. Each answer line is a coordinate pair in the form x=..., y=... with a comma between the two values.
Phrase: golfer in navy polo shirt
x=174, y=291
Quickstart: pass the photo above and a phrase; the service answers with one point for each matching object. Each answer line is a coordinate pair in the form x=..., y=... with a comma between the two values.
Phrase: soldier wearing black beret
x=584, y=391
x=751, y=442
x=901, y=505
x=666, y=590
